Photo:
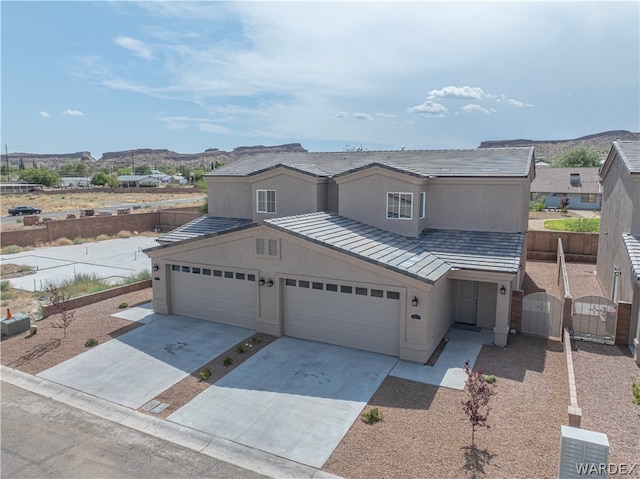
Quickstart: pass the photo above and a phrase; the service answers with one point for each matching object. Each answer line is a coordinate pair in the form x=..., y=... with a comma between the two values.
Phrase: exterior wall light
x=269, y=283
x=414, y=301
x=503, y=290
x=261, y=282
x=156, y=267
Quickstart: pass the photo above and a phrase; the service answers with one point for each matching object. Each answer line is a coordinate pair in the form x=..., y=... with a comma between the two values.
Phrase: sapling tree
x=476, y=407
x=60, y=304
x=635, y=391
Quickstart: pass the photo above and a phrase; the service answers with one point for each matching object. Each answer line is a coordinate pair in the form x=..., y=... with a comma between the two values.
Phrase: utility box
x=19, y=323
x=583, y=453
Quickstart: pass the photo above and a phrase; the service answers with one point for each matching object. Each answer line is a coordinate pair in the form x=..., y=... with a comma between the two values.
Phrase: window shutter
x=260, y=246
x=273, y=247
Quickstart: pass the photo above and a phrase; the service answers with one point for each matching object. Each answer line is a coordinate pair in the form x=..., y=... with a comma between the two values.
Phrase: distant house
x=178, y=180
x=134, y=181
x=7, y=188
x=618, y=269
x=75, y=181
x=581, y=185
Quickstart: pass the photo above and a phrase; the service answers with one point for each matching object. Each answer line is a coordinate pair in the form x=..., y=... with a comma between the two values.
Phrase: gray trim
x=632, y=244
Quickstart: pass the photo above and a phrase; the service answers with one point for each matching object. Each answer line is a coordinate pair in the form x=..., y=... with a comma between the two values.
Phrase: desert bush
x=123, y=305
x=124, y=234
x=102, y=237
x=79, y=240
x=228, y=361
x=204, y=374
x=5, y=284
x=91, y=342
x=11, y=249
x=136, y=277
x=372, y=416
x=62, y=242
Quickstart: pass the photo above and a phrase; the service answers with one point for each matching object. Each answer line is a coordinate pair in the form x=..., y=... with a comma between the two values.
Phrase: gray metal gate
x=542, y=315
x=594, y=319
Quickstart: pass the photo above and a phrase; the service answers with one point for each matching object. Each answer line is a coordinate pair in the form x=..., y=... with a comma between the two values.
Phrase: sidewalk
x=203, y=443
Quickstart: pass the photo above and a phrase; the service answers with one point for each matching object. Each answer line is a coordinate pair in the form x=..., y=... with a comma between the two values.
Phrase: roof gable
x=628, y=152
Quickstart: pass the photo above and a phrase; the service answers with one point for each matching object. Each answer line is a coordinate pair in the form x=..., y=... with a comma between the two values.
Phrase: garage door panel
x=357, y=321
x=213, y=298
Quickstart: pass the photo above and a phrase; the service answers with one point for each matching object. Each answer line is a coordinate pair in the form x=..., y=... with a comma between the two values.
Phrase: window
x=423, y=204
x=315, y=285
x=228, y=274
x=303, y=284
x=377, y=293
x=399, y=205
x=267, y=247
x=346, y=289
x=217, y=272
x=361, y=291
x=588, y=198
x=332, y=287
x=195, y=270
x=393, y=295
x=266, y=201
x=251, y=277
x=186, y=269
x=206, y=271
x=290, y=282
x=240, y=276
x=175, y=267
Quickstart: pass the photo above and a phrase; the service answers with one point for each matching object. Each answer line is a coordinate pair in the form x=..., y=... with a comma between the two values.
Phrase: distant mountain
x=551, y=150
x=152, y=157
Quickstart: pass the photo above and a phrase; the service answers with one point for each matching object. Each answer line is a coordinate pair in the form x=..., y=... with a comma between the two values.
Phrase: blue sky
x=187, y=76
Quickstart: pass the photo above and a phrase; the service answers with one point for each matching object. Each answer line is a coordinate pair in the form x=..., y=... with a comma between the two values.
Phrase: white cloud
x=362, y=116
x=211, y=128
x=44, y=114
x=472, y=107
x=462, y=92
x=69, y=112
x=135, y=46
x=429, y=108
x=516, y=103
x=385, y=115
x=342, y=114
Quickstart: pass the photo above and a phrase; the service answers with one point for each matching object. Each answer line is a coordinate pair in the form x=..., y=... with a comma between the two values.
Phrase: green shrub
x=204, y=374
x=5, y=284
x=228, y=361
x=11, y=249
x=490, y=378
x=91, y=342
x=123, y=305
x=33, y=330
x=255, y=340
x=137, y=277
x=372, y=416
x=79, y=240
x=241, y=349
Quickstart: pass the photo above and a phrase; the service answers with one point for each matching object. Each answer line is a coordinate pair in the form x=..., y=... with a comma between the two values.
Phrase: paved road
x=58, y=214
x=45, y=438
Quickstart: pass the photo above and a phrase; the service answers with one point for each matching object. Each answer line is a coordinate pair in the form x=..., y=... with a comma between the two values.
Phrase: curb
x=212, y=446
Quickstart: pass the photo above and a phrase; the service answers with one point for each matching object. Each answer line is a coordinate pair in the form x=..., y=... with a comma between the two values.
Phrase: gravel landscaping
x=424, y=432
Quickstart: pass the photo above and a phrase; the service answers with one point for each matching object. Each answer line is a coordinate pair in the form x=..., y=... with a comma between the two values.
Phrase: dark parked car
x=24, y=210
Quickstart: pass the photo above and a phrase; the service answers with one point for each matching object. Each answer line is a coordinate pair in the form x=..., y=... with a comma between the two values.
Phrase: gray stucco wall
x=620, y=214
x=229, y=197
x=295, y=194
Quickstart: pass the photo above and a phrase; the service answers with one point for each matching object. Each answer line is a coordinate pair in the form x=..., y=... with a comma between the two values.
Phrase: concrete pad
x=138, y=365
x=462, y=345
x=295, y=399
x=142, y=314
x=113, y=259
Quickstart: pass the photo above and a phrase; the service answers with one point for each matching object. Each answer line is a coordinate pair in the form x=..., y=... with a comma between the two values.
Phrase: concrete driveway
x=295, y=399
x=135, y=367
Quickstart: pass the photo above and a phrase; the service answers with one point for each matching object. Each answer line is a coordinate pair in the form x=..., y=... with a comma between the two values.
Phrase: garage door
x=351, y=315
x=214, y=294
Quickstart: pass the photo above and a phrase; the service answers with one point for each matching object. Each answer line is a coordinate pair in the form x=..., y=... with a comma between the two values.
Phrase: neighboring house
x=163, y=177
x=134, y=181
x=580, y=185
x=618, y=267
x=178, y=180
x=75, y=181
x=380, y=251
x=8, y=188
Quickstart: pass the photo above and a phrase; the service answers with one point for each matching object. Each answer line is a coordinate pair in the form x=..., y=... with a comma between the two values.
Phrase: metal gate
x=594, y=319
x=542, y=315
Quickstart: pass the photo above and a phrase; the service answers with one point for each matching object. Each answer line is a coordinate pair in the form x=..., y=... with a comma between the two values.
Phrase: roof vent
x=574, y=179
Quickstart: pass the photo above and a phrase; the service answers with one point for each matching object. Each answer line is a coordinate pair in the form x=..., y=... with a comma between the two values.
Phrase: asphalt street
x=45, y=438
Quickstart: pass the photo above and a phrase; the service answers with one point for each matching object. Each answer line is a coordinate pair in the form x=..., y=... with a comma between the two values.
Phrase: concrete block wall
x=623, y=322
x=578, y=247
x=516, y=309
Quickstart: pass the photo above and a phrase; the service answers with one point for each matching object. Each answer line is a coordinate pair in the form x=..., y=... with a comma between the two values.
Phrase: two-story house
x=380, y=251
x=618, y=268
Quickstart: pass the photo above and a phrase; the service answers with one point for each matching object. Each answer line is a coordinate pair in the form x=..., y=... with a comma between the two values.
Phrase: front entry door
x=466, y=301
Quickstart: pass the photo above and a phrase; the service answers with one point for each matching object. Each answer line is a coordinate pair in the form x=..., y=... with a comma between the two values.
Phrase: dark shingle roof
x=488, y=162
x=203, y=226
x=558, y=180
x=632, y=243
x=629, y=151
x=383, y=248
x=478, y=250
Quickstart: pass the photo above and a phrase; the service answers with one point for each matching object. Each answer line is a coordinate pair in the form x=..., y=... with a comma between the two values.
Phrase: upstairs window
x=399, y=205
x=423, y=204
x=266, y=201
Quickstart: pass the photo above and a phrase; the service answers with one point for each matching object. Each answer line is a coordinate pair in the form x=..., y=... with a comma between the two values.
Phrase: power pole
x=6, y=156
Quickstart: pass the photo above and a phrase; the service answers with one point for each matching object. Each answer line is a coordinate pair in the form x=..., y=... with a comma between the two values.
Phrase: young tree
x=476, y=407
x=60, y=304
x=100, y=179
x=579, y=158
x=42, y=176
x=635, y=390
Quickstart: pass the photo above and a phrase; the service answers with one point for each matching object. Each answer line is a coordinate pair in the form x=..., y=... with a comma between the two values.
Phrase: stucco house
x=618, y=268
x=380, y=251
x=134, y=181
x=580, y=185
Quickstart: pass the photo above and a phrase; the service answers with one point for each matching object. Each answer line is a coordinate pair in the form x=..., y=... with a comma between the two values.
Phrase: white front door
x=466, y=301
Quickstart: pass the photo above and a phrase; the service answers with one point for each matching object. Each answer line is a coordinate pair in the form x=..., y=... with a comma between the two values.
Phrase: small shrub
x=5, y=284
x=20, y=220
x=33, y=330
x=102, y=237
x=79, y=240
x=372, y=416
x=228, y=361
x=11, y=249
x=91, y=342
x=9, y=295
x=635, y=391
x=255, y=340
x=124, y=234
x=123, y=305
x=490, y=378
x=241, y=348
x=62, y=242
x=204, y=374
